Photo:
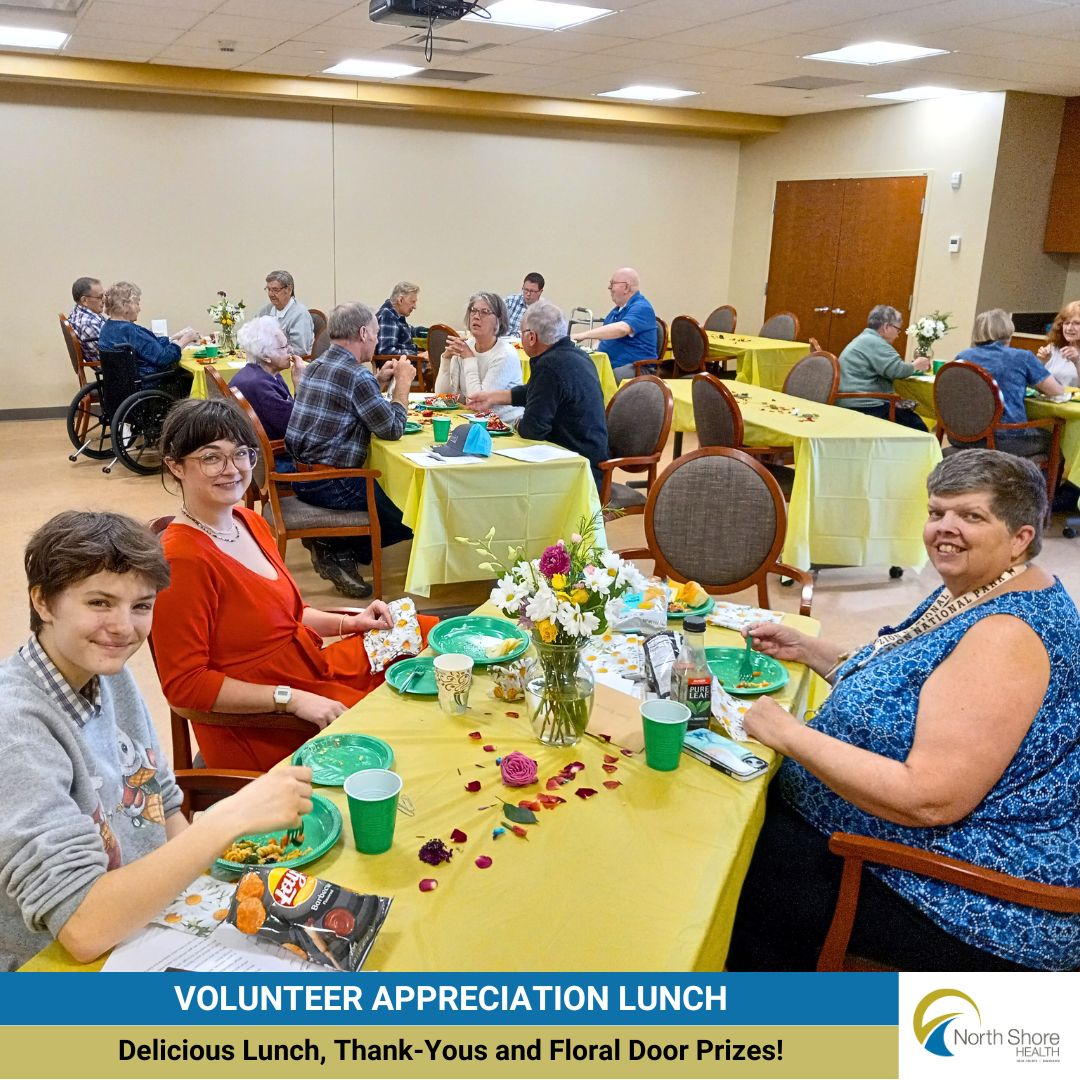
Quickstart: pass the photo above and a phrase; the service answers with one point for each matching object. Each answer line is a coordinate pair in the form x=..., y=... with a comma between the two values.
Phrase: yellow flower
x=558, y=581
x=562, y=596
x=579, y=596
x=548, y=630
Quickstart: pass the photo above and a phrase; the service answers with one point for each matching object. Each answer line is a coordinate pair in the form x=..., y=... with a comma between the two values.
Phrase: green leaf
x=490, y=534
x=518, y=815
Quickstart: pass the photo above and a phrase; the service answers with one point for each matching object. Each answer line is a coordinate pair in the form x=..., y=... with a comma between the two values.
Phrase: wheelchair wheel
x=137, y=430
x=87, y=427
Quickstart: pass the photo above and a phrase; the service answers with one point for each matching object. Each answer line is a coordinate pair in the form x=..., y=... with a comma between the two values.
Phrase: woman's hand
x=298, y=365
x=458, y=347
x=319, y=710
x=186, y=336
x=1044, y=353
x=780, y=641
x=277, y=800
x=376, y=616
x=769, y=723
x=1071, y=353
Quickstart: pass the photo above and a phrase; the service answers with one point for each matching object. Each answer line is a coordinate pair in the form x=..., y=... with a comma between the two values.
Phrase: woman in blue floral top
x=957, y=731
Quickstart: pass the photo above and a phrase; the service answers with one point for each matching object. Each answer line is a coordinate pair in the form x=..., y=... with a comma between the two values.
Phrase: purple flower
x=555, y=560
x=435, y=852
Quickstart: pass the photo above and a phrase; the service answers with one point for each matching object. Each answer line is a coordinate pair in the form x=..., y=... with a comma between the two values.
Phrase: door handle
x=838, y=311
x=820, y=310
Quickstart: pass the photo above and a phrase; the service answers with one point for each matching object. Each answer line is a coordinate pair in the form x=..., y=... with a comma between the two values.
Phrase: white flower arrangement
x=928, y=329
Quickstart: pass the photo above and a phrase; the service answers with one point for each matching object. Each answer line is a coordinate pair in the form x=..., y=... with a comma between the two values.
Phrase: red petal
x=610, y=768
x=554, y=784
x=528, y=804
x=549, y=802
x=585, y=792
x=475, y=735
x=513, y=715
x=483, y=861
x=489, y=748
x=574, y=767
x=429, y=884
x=606, y=738
x=627, y=753
x=473, y=785
x=520, y=830
x=610, y=759
x=457, y=836
x=611, y=785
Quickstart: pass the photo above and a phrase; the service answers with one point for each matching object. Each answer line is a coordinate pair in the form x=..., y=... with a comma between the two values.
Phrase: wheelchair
x=118, y=416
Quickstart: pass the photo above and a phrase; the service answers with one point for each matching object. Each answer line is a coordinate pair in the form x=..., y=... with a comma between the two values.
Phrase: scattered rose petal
x=483, y=861
x=518, y=769
x=611, y=785
x=497, y=832
x=626, y=753
x=513, y=715
x=520, y=830
x=435, y=852
x=554, y=784
x=610, y=759
x=475, y=735
x=610, y=768
x=585, y=792
x=529, y=804
x=549, y=802
x=606, y=738
x=429, y=884
x=458, y=837
x=473, y=785
x=489, y=748
x=574, y=767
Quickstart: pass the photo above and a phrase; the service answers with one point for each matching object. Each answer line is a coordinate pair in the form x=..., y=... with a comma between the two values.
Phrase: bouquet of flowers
x=227, y=313
x=560, y=599
x=928, y=329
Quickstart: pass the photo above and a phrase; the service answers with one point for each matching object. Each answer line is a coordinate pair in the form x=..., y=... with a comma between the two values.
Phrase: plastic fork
x=294, y=836
x=746, y=665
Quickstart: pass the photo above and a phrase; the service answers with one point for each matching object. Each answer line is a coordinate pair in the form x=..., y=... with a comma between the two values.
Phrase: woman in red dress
x=232, y=633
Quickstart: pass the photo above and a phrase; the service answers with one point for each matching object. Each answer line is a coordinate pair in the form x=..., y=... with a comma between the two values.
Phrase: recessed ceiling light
x=371, y=69
x=648, y=93
x=20, y=37
x=539, y=14
x=875, y=52
x=921, y=93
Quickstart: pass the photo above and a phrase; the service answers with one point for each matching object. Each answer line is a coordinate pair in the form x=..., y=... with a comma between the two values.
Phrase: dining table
x=531, y=503
x=635, y=870
x=859, y=492
x=920, y=389
x=762, y=361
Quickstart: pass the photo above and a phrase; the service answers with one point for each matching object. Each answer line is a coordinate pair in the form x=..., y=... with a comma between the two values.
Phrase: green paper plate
x=483, y=420
x=322, y=827
x=1031, y=392
x=424, y=681
x=701, y=609
x=441, y=406
x=724, y=662
x=412, y=427
x=472, y=634
x=332, y=758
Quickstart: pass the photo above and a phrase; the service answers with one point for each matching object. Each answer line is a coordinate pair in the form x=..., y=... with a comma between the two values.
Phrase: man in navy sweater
x=563, y=400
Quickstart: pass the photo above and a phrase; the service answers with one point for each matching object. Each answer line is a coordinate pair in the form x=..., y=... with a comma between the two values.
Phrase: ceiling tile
x=108, y=11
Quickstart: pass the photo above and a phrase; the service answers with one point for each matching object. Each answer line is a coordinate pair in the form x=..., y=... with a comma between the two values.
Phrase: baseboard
x=49, y=412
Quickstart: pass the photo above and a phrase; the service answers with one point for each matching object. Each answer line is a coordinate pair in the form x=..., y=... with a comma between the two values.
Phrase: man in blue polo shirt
x=629, y=329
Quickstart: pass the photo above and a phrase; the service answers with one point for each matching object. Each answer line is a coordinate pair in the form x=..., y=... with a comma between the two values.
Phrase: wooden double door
x=841, y=246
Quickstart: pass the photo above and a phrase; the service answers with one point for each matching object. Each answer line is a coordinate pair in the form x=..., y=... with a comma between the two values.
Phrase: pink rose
x=518, y=769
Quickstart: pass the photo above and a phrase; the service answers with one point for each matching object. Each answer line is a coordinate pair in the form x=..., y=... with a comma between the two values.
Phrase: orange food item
x=251, y=885
x=250, y=915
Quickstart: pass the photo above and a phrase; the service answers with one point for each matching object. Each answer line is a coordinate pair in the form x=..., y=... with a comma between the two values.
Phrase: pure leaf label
x=518, y=815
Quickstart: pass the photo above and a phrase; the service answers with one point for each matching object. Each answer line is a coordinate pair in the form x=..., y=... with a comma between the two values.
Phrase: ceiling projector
x=420, y=14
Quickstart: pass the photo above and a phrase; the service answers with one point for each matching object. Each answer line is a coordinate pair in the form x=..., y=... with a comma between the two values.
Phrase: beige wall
x=186, y=196
x=936, y=137
x=1017, y=274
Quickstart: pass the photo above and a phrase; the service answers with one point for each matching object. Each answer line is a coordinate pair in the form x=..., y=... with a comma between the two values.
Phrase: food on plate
x=265, y=853
x=492, y=421
x=501, y=647
x=685, y=596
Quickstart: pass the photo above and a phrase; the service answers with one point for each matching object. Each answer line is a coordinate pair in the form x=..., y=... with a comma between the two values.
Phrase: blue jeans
x=350, y=493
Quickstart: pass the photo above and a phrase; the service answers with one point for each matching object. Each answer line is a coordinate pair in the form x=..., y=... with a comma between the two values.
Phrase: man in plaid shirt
x=86, y=316
x=531, y=290
x=395, y=333
x=339, y=406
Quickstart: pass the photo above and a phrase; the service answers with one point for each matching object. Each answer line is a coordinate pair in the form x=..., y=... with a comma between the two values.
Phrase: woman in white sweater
x=1062, y=355
x=485, y=360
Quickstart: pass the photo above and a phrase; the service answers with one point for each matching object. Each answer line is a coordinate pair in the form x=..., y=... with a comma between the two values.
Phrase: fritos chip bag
x=312, y=918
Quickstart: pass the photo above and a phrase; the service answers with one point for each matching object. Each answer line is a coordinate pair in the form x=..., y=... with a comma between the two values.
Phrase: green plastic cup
x=441, y=427
x=664, y=723
x=373, y=802
x=938, y=365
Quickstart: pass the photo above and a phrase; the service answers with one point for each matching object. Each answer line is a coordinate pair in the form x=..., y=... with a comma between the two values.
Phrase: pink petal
x=611, y=785
x=610, y=768
x=475, y=735
x=554, y=784
x=483, y=861
x=585, y=792
x=574, y=767
x=489, y=748
x=610, y=759
x=527, y=804
x=606, y=738
x=473, y=785
x=627, y=753
x=428, y=884
x=458, y=837
x=549, y=802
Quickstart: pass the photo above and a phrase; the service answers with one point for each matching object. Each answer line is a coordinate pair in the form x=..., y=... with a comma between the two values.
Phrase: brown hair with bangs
x=194, y=423
x=78, y=544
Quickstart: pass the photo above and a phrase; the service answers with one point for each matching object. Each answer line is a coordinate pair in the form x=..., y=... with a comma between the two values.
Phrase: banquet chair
x=858, y=850
x=436, y=343
x=656, y=365
x=783, y=326
x=689, y=347
x=204, y=787
x=291, y=518
x=419, y=383
x=968, y=404
x=716, y=516
x=721, y=320
x=638, y=420
x=216, y=387
x=75, y=351
x=322, y=338
x=816, y=377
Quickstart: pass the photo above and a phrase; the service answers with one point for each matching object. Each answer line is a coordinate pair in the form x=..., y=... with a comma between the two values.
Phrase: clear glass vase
x=559, y=693
x=226, y=338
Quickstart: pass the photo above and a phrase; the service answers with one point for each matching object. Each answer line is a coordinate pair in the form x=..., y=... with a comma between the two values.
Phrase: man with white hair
x=563, y=400
x=629, y=329
x=295, y=319
x=395, y=333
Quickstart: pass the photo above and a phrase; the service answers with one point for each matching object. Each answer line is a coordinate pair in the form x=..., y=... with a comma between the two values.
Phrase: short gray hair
x=259, y=337
x=883, y=315
x=1016, y=486
x=497, y=305
x=546, y=321
x=992, y=325
x=282, y=278
x=121, y=299
x=403, y=288
x=347, y=320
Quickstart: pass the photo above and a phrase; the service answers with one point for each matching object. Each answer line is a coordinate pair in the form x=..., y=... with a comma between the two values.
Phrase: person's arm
x=1050, y=387
x=974, y=711
x=382, y=418
x=1036, y=376
x=448, y=381
x=302, y=337
x=486, y=400
x=376, y=616
x=603, y=333
x=888, y=363
x=542, y=405
x=787, y=643
x=157, y=352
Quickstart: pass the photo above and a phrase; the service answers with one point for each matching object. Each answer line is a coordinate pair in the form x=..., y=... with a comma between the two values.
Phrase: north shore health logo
x=931, y=1031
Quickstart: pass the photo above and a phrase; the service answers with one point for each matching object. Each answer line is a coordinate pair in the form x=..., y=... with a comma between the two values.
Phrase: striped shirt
x=515, y=308
x=81, y=705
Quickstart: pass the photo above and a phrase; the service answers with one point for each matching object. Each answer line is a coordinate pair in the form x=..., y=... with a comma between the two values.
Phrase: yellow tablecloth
x=762, y=361
x=920, y=388
x=642, y=878
x=529, y=504
x=859, y=497
x=226, y=367
x=600, y=362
